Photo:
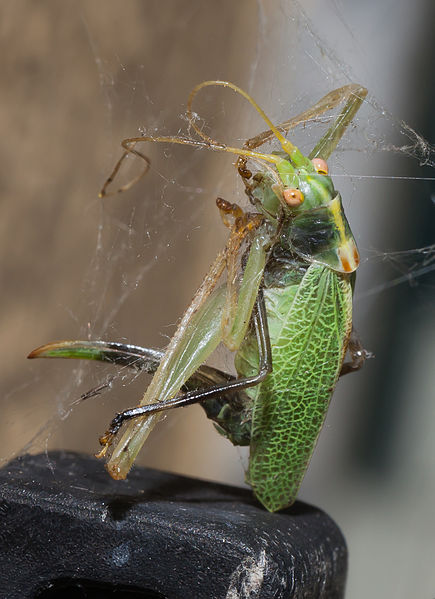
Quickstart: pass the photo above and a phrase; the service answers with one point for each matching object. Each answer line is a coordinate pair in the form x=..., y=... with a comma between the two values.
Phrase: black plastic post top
x=68, y=530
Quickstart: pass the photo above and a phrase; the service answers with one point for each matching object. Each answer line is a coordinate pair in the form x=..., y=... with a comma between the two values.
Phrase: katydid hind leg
x=203, y=395
x=120, y=354
x=145, y=359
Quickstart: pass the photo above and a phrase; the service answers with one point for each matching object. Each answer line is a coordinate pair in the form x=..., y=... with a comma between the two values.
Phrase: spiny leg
x=121, y=354
x=244, y=223
x=137, y=358
x=191, y=397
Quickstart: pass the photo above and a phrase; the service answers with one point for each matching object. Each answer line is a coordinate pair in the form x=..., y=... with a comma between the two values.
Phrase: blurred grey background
x=77, y=77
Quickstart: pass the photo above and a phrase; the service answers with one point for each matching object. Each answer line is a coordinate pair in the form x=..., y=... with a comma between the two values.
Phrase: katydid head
x=301, y=185
x=302, y=196
x=317, y=228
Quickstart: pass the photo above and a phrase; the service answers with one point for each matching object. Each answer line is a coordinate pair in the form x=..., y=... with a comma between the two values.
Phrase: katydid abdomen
x=309, y=322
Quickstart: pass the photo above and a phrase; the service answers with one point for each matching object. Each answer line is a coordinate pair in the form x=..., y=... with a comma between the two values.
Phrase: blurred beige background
x=76, y=78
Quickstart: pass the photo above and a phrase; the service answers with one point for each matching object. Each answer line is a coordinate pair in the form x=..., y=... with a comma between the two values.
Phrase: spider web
x=145, y=258
x=126, y=267
x=83, y=76
x=145, y=261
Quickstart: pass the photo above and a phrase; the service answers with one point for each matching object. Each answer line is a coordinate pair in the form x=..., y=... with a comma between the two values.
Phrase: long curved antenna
x=294, y=153
x=296, y=156
x=103, y=193
x=129, y=148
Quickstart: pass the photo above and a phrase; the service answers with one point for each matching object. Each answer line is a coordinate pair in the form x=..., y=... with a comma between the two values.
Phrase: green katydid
x=288, y=315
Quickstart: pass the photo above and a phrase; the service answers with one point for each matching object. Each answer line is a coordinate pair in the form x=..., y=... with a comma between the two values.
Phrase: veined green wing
x=309, y=326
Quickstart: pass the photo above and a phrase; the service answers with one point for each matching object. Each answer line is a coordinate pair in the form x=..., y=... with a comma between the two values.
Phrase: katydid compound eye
x=293, y=197
x=320, y=166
